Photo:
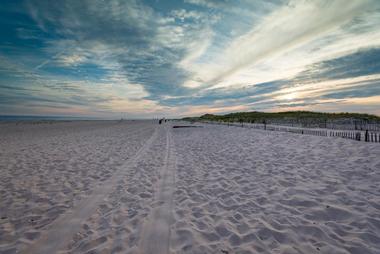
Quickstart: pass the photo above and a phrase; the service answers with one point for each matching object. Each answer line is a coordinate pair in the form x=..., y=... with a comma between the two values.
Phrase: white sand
x=138, y=187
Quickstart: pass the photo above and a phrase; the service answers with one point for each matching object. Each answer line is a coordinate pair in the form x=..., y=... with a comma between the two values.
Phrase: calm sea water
x=42, y=118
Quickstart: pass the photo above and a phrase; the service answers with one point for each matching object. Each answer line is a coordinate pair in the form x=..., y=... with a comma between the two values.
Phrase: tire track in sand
x=61, y=231
x=156, y=230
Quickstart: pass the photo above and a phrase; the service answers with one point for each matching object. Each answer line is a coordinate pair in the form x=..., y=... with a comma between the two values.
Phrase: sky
x=144, y=59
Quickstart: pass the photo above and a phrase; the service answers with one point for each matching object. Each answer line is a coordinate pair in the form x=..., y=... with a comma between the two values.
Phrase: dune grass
x=302, y=116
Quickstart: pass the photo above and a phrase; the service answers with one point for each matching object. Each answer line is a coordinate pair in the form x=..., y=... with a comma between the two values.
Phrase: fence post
x=366, y=137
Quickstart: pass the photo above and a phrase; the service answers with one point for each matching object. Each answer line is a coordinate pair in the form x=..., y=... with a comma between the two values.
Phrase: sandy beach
x=140, y=187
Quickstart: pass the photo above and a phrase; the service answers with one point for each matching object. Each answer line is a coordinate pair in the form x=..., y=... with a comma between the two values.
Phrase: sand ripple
x=46, y=169
x=236, y=190
x=244, y=191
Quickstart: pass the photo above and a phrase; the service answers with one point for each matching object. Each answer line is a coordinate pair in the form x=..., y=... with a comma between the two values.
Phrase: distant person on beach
x=162, y=120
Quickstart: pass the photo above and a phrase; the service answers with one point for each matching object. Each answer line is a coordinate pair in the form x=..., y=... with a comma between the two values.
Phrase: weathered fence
x=358, y=135
x=337, y=124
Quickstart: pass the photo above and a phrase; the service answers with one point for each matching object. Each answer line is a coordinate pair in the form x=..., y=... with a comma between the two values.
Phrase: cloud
x=183, y=15
x=125, y=56
x=71, y=60
x=280, y=32
x=126, y=37
x=356, y=75
x=360, y=63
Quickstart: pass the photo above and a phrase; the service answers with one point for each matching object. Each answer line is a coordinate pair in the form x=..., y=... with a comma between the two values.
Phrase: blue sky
x=125, y=58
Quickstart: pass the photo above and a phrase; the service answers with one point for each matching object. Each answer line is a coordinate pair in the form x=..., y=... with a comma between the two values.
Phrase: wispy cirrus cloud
x=284, y=34
x=154, y=58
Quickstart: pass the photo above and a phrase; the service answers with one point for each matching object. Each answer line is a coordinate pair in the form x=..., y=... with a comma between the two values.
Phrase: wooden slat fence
x=366, y=136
